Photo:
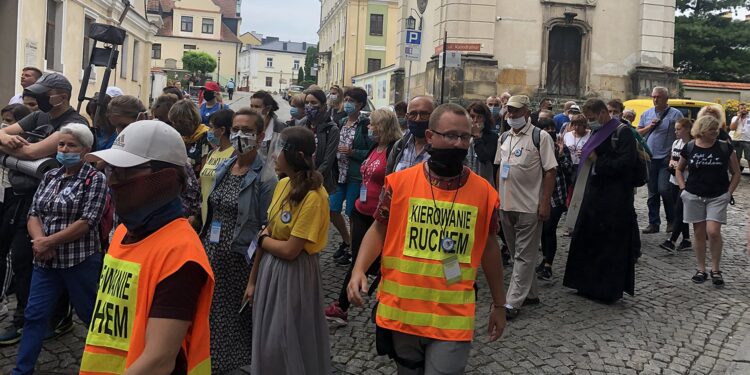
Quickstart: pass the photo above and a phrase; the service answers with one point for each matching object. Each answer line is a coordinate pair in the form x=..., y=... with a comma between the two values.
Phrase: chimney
x=285, y=46
x=304, y=46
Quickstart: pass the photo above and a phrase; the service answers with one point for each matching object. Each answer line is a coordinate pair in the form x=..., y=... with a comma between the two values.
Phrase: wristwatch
x=261, y=238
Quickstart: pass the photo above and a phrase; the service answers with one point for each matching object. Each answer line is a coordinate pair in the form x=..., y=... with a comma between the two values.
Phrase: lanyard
x=510, y=151
x=434, y=203
x=277, y=201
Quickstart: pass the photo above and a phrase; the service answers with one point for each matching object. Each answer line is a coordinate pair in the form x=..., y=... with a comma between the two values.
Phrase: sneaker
x=700, y=277
x=65, y=326
x=10, y=336
x=539, y=268
x=685, y=245
x=511, y=312
x=336, y=315
x=545, y=274
x=341, y=250
x=344, y=260
x=667, y=245
x=651, y=229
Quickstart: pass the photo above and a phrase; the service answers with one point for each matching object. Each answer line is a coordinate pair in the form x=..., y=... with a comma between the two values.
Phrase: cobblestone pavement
x=670, y=326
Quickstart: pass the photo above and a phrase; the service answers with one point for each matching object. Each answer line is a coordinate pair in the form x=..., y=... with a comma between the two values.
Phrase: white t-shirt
x=575, y=144
x=676, y=149
x=743, y=130
x=16, y=99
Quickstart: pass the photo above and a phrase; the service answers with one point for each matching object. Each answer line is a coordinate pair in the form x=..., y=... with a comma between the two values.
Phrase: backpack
x=536, y=135
x=643, y=162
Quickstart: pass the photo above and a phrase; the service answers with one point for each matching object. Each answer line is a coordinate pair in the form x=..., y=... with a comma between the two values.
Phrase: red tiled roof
x=226, y=34
x=228, y=7
x=716, y=84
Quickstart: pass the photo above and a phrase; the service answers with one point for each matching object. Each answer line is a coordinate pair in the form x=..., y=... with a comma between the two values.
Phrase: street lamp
x=218, y=68
x=411, y=23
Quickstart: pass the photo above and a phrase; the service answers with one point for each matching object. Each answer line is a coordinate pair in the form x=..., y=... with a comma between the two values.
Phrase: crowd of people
x=188, y=237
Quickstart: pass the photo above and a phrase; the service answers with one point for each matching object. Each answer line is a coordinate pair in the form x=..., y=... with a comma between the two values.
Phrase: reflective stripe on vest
x=414, y=295
x=202, y=368
x=102, y=363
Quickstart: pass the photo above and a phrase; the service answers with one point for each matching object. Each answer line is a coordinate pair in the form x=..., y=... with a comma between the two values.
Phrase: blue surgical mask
x=68, y=159
x=212, y=138
x=293, y=112
x=349, y=108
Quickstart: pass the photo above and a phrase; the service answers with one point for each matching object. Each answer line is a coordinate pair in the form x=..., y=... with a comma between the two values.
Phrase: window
x=296, y=66
x=186, y=24
x=124, y=59
x=87, y=45
x=269, y=81
x=187, y=48
x=135, y=70
x=373, y=65
x=239, y=6
x=269, y=62
x=208, y=26
x=53, y=36
x=156, y=51
x=376, y=24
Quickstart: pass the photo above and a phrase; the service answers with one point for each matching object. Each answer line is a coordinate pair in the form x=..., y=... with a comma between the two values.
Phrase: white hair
x=662, y=90
x=81, y=132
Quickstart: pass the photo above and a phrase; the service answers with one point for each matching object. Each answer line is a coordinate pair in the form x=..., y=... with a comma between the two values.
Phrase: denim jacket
x=255, y=197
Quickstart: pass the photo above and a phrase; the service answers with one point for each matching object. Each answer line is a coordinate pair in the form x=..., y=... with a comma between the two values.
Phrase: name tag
x=251, y=251
x=451, y=269
x=505, y=171
x=215, y=233
x=363, y=193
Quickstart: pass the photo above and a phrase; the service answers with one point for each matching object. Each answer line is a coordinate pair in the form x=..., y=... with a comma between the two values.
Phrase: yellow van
x=689, y=108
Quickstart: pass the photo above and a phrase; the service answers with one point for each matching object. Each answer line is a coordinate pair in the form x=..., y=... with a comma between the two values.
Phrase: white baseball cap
x=114, y=91
x=142, y=142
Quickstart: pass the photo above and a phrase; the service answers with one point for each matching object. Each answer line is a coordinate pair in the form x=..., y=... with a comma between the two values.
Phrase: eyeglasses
x=418, y=115
x=453, y=137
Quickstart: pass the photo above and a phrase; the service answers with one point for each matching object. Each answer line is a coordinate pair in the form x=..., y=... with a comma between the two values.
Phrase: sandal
x=700, y=277
x=717, y=279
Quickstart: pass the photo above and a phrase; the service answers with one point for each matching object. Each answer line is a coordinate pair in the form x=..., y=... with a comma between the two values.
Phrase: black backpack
x=536, y=135
x=643, y=162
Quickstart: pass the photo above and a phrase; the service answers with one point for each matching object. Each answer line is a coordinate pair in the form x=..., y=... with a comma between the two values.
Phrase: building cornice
x=117, y=7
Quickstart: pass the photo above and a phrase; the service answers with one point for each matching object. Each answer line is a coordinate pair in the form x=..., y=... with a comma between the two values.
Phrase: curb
x=741, y=362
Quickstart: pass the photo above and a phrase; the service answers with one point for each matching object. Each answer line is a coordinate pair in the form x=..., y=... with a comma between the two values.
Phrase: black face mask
x=209, y=95
x=43, y=103
x=417, y=128
x=447, y=162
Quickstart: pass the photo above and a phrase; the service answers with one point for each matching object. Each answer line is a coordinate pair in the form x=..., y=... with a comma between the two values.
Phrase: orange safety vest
x=130, y=274
x=415, y=297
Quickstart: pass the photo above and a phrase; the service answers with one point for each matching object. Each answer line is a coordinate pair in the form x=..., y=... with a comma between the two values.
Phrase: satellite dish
x=422, y=6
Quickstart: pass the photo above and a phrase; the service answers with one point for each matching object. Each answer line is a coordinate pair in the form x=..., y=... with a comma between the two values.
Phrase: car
x=292, y=91
x=688, y=107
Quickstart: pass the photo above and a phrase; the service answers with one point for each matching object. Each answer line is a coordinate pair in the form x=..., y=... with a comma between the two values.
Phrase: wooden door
x=564, y=61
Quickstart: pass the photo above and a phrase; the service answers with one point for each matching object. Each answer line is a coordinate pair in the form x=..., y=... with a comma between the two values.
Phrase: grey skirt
x=290, y=333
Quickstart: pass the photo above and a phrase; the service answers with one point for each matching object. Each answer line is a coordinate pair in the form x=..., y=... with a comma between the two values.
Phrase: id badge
x=451, y=269
x=505, y=171
x=363, y=193
x=251, y=251
x=215, y=234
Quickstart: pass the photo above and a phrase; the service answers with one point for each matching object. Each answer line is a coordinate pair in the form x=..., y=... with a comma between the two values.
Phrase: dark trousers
x=231, y=93
x=360, y=224
x=16, y=240
x=678, y=226
x=549, y=233
x=659, y=190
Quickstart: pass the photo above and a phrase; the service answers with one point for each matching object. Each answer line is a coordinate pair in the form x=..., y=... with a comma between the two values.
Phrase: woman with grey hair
x=64, y=228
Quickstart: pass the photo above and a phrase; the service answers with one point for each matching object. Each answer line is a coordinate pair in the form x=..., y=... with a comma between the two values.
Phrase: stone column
x=655, y=47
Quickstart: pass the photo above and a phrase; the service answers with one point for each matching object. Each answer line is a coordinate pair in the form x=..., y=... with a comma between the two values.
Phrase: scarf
x=597, y=138
x=199, y=132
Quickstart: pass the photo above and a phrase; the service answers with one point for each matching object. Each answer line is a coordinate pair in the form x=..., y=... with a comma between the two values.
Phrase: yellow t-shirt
x=307, y=220
x=208, y=175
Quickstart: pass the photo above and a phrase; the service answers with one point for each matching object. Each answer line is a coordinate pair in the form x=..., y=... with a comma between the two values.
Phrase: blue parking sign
x=413, y=37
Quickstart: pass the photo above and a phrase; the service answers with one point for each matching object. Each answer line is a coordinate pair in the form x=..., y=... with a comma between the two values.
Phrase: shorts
x=348, y=191
x=697, y=209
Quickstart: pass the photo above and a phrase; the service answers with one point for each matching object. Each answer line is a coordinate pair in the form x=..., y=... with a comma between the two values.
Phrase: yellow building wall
x=33, y=33
x=172, y=47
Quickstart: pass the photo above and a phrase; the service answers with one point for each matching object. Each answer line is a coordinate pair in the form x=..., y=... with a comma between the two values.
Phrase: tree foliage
x=196, y=62
x=310, y=59
x=301, y=75
x=709, y=46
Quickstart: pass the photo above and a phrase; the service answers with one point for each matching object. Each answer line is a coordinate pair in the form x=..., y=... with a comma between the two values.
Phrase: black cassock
x=605, y=242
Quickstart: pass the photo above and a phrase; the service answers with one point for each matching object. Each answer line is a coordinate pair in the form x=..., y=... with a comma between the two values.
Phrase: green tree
x=710, y=46
x=300, y=75
x=310, y=59
x=198, y=62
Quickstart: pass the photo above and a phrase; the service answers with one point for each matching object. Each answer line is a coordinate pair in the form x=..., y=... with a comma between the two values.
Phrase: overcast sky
x=295, y=20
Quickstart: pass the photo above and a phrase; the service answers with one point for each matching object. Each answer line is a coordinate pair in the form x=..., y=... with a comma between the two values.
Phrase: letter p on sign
x=413, y=37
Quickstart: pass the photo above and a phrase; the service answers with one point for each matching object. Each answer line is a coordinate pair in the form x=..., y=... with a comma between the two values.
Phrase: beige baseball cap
x=142, y=142
x=519, y=101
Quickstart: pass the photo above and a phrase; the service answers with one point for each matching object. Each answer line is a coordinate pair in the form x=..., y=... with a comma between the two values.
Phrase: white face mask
x=243, y=142
x=517, y=123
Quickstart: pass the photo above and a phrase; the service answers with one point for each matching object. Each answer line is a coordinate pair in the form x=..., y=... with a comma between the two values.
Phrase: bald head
x=424, y=102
